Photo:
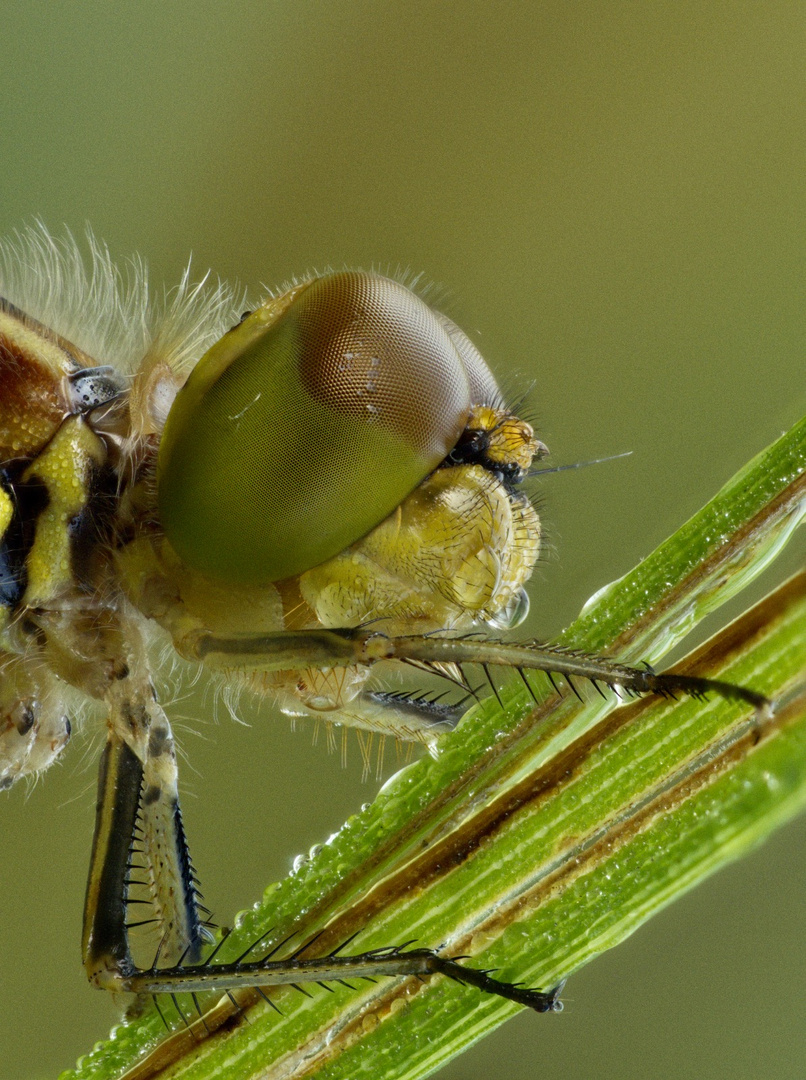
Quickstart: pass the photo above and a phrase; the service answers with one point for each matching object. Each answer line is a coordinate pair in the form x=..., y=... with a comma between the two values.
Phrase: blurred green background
x=611, y=196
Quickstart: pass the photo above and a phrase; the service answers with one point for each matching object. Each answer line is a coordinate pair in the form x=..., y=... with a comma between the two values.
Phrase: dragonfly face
x=319, y=413
x=329, y=481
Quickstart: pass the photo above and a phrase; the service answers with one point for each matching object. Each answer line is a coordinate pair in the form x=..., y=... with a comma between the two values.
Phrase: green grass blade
x=539, y=837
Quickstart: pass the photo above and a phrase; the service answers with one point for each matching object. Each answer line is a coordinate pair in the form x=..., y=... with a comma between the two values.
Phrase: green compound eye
x=308, y=424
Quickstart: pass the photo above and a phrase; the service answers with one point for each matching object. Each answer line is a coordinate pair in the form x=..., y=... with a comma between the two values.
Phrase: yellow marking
x=512, y=441
x=6, y=511
x=6, y=515
x=64, y=467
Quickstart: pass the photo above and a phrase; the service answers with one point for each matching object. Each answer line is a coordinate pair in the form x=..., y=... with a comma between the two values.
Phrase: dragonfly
x=295, y=497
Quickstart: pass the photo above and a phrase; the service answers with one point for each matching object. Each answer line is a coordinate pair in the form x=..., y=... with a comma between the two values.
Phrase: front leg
x=325, y=649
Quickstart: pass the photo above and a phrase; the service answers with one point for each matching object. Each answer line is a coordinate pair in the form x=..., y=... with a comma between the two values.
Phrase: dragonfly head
x=309, y=423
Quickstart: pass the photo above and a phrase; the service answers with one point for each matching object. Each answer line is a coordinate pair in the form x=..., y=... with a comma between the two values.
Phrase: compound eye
x=483, y=387
x=306, y=425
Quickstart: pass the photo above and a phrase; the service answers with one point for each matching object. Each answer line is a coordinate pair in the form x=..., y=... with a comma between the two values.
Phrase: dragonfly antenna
x=578, y=464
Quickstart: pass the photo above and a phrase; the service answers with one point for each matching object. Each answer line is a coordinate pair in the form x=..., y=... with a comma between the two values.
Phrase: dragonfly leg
x=122, y=804
x=332, y=648
x=138, y=807
x=395, y=961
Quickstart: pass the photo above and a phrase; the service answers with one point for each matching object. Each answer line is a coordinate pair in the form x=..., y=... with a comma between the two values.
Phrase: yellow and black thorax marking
x=56, y=487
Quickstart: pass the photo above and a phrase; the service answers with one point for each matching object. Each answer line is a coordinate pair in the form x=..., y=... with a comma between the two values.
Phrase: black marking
x=119, y=782
x=90, y=530
x=151, y=794
x=158, y=740
x=472, y=449
x=26, y=721
x=30, y=499
x=195, y=931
